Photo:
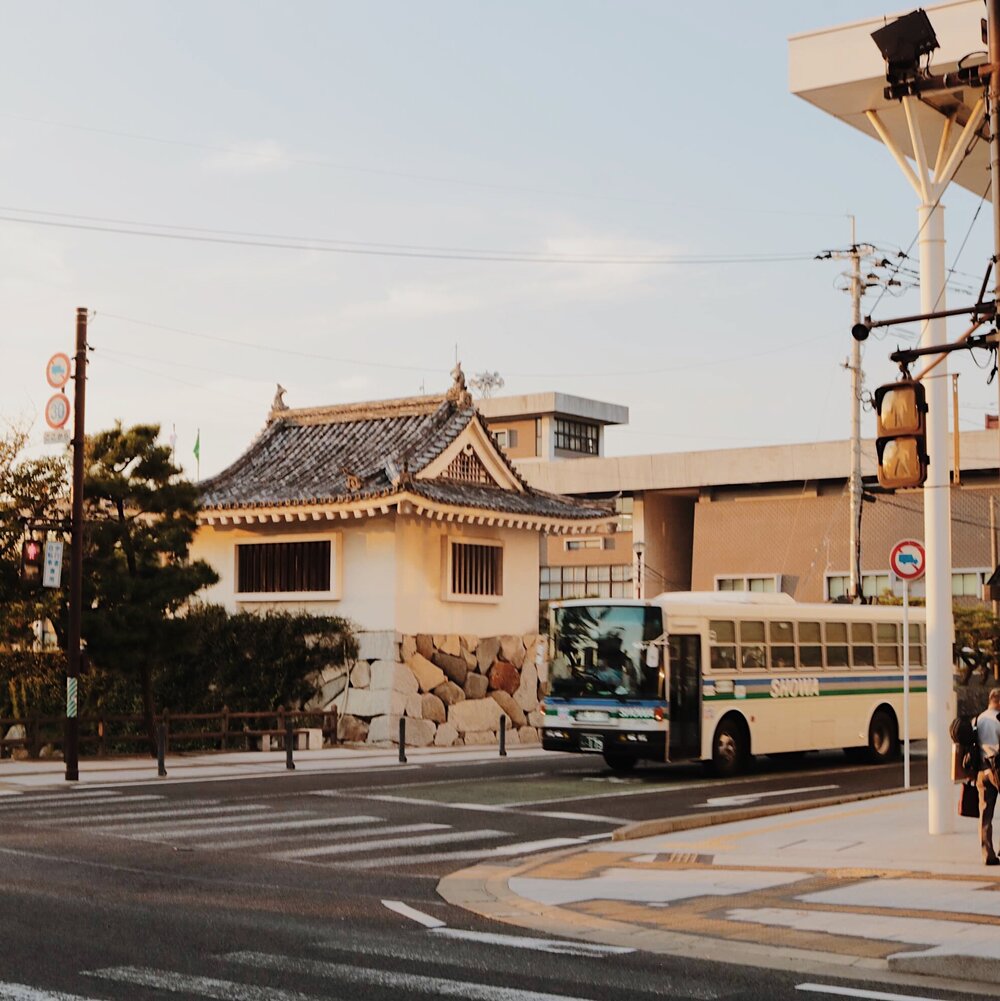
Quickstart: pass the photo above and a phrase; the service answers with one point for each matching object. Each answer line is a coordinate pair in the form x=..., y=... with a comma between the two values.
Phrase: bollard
x=289, y=746
x=402, y=740
x=503, y=736
x=161, y=750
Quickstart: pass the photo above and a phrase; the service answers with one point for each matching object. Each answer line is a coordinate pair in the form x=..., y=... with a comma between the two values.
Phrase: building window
x=576, y=436
x=506, y=438
x=968, y=584
x=476, y=569
x=282, y=567
x=596, y=542
x=623, y=508
x=763, y=584
x=872, y=585
x=556, y=583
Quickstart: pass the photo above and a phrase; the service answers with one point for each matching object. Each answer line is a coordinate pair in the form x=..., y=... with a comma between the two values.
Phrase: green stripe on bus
x=721, y=697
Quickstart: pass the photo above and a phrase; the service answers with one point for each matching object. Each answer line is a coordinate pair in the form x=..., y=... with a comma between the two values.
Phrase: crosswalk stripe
x=188, y=810
x=261, y=827
x=193, y=828
x=357, y=846
x=24, y=799
x=559, y=946
x=315, y=836
x=24, y=807
x=22, y=992
x=207, y=987
x=408, y=984
x=378, y=843
x=238, y=814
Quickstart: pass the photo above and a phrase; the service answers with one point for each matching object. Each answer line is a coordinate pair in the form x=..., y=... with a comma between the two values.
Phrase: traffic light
x=901, y=442
x=31, y=561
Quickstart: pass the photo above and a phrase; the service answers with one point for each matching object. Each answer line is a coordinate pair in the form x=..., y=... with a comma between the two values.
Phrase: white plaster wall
x=420, y=606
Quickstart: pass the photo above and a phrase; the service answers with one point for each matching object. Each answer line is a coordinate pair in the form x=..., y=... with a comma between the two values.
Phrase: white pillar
x=937, y=531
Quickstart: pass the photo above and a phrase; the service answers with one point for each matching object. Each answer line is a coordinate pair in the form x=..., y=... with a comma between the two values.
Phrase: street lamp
x=638, y=547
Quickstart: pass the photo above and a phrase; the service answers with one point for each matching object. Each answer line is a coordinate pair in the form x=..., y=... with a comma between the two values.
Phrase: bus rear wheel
x=883, y=737
x=618, y=760
x=730, y=748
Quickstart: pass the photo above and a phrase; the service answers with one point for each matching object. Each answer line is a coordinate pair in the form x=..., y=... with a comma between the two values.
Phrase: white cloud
x=249, y=158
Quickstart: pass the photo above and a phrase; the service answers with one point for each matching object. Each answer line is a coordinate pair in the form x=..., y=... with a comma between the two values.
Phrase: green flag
x=197, y=446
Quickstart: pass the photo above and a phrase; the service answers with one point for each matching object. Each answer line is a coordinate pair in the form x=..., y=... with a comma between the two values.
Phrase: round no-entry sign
x=908, y=561
x=57, y=370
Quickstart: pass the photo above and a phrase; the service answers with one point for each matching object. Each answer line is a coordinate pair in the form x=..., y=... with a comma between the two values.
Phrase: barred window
x=274, y=567
x=476, y=569
x=556, y=583
x=576, y=436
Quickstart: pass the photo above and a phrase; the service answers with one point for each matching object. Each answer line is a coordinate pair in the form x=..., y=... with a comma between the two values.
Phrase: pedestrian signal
x=31, y=561
x=901, y=434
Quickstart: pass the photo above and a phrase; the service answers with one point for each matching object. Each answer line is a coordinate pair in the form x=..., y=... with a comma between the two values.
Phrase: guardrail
x=109, y=733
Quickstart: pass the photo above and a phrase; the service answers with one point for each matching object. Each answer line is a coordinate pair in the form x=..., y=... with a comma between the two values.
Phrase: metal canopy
x=841, y=72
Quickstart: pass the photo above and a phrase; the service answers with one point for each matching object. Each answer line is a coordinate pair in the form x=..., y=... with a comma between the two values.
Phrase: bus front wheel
x=730, y=748
x=883, y=737
x=619, y=761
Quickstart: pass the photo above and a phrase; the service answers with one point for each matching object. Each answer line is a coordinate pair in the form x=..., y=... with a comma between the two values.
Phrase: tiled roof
x=334, y=455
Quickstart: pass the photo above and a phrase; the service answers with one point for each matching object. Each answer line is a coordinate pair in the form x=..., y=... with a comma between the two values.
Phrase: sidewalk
x=20, y=776
x=852, y=887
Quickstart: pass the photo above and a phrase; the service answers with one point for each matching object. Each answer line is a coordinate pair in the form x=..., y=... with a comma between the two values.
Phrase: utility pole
x=71, y=749
x=993, y=92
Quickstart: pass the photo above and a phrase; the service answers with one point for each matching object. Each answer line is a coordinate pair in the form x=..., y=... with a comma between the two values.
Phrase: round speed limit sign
x=57, y=411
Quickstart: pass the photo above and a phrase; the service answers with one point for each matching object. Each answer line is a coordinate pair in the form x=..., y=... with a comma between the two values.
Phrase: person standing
x=987, y=781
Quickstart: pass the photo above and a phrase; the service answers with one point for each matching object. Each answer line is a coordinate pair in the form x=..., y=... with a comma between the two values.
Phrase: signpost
x=907, y=561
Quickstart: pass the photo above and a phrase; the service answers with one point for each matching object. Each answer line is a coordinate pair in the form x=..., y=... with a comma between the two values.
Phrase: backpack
x=963, y=736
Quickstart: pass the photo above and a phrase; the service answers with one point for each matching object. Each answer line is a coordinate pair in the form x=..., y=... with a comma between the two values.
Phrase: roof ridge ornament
x=278, y=404
x=459, y=393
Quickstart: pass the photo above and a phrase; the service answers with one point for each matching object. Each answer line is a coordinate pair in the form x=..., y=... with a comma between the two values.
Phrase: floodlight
x=903, y=43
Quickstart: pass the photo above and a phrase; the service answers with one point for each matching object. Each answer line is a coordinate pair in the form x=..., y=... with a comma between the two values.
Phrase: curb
x=692, y=821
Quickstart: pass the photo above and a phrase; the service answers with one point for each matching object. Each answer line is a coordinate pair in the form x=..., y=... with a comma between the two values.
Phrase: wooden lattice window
x=467, y=467
x=275, y=567
x=476, y=569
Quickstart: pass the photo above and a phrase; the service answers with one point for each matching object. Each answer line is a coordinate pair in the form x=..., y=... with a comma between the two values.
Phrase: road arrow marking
x=745, y=799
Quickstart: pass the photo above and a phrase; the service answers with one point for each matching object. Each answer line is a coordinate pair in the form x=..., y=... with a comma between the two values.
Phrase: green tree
x=33, y=496
x=141, y=517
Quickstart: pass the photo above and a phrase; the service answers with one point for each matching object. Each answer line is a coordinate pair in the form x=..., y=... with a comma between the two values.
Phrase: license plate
x=592, y=716
x=591, y=742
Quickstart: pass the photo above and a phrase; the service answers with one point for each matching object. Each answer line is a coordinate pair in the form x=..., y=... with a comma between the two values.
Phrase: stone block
x=528, y=735
x=486, y=652
x=529, y=640
x=308, y=739
x=476, y=686
x=543, y=672
x=481, y=714
x=419, y=732
x=536, y=719
x=504, y=677
x=432, y=708
x=370, y=702
x=449, y=693
x=511, y=738
x=361, y=676
x=526, y=695
x=470, y=659
x=352, y=730
x=454, y=667
x=470, y=643
x=512, y=650
x=425, y=645
x=446, y=735
x=382, y=644
x=428, y=675
x=396, y=677
x=407, y=648
x=385, y=730
x=480, y=737
x=450, y=644
x=510, y=707
x=414, y=706
x=324, y=698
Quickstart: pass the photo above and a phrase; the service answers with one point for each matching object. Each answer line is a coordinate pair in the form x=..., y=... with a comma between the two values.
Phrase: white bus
x=721, y=676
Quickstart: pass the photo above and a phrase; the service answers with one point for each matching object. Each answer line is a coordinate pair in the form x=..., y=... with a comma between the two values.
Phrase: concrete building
x=761, y=519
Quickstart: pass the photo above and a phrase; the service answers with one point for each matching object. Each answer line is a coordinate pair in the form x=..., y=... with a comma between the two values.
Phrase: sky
x=332, y=184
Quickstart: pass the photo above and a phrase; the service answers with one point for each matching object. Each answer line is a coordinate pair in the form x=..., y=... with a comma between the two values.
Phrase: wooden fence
x=222, y=731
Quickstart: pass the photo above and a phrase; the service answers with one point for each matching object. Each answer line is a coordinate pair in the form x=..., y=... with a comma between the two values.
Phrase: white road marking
x=27, y=799
x=184, y=828
x=377, y=843
x=413, y=914
x=23, y=806
x=257, y=824
x=181, y=983
x=510, y=808
x=853, y=992
x=560, y=946
x=22, y=992
x=407, y=983
x=225, y=846
x=188, y=810
x=751, y=797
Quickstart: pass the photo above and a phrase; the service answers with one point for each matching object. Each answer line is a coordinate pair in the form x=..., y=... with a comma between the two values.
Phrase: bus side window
x=887, y=652
x=916, y=645
x=836, y=644
x=722, y=645
x=752, y=646
x=862, y=647
x=782, y=645
x=810, y=646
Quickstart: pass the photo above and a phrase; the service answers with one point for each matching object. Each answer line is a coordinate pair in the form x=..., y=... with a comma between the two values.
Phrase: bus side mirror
x=652, y=655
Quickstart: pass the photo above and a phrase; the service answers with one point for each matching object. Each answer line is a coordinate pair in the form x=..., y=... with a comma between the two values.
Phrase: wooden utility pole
x=71, y=747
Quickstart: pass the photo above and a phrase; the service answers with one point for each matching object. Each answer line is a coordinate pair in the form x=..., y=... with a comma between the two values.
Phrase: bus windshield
x=600, y=651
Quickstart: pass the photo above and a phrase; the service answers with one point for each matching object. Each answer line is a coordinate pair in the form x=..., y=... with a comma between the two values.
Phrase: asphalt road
x=323, y=885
